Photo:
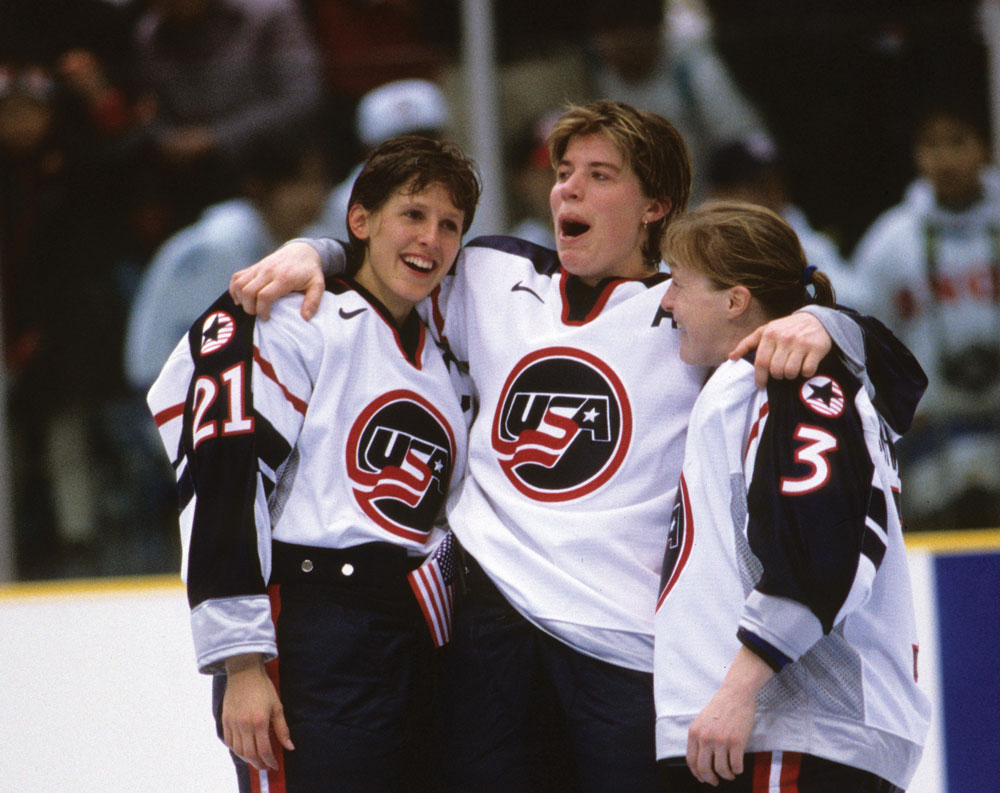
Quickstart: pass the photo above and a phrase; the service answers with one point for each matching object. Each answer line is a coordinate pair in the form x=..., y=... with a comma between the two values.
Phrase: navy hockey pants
x=527, y=714
x=791, y=771
x=356, y=675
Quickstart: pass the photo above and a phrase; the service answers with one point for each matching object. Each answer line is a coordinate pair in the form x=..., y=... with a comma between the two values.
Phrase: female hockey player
x=785, y=637
x=313, y=460
x=573, y=458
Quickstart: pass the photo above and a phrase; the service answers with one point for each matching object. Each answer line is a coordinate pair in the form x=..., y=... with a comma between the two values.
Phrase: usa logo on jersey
x=400, y=453
x=563, y=424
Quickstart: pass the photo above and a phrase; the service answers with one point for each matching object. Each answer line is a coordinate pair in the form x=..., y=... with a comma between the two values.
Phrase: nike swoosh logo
x=518, y=288
x=350, y=314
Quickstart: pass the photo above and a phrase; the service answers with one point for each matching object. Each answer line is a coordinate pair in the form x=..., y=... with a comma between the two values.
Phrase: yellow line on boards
x=91, y=586
x=954, y=541
x=936, y=542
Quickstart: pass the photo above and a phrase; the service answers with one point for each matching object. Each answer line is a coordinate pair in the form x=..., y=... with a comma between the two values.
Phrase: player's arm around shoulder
x=294, y=267
x=786, y=347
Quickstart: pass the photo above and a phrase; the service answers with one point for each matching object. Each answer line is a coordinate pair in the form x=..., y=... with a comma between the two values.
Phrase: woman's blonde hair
x=734, y=243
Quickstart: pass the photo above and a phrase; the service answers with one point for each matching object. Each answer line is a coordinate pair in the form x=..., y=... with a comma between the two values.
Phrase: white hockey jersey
x=786, y=537
x=332, y=433
x=575, y=452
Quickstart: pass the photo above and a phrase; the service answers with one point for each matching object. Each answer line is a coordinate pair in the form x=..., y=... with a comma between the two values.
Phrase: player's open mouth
x=573, y=228
x=418, y=264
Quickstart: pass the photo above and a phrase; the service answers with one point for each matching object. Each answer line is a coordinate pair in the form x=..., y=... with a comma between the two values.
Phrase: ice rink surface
x=100, y=692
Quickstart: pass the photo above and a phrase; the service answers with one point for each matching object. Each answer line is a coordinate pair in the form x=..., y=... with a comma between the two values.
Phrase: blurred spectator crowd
x=150, y=148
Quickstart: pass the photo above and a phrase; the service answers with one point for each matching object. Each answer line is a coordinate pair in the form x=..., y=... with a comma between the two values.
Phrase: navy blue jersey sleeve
x=810, y=493
x=220, y=444
x=896, y=375
x=897, y=381
x=230, y=452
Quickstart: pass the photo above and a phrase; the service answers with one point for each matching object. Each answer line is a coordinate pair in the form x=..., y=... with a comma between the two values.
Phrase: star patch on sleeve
x=216, y=332
x=822, y=395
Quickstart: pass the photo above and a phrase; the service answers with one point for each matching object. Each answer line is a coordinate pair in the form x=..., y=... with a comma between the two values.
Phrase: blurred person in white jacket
x=284, y=186
x=930, y=268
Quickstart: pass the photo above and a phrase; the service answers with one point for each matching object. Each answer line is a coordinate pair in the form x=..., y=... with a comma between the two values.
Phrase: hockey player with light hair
x=786, y=644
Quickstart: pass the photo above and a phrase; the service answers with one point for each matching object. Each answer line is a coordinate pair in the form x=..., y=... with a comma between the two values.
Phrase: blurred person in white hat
x=401, y=107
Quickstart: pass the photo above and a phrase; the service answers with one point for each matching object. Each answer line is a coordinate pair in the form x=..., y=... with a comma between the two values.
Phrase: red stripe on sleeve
x=756, y=428
x=168, y=414
x=275, y=779
x=265, y=366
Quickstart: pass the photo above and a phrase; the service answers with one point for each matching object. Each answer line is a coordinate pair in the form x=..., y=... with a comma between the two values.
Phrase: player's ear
x=656, y=209
x=738, y=300
x=358, y=221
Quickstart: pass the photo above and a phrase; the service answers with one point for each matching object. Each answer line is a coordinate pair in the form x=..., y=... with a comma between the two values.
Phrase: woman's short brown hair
x=650, y=145
x=413, y=163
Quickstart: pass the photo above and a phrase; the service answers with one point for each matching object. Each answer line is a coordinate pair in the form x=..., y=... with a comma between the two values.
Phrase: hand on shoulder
x=294, y=267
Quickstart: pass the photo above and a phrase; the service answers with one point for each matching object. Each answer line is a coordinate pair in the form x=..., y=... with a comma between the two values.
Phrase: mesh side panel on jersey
x=786, y=690
x=749, y=565
x=827, y=678
x=284, y=479
x=834, y=669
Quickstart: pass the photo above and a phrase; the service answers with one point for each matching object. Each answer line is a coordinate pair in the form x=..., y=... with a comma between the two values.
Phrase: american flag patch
x=434, y=585
x=216, y=332
x=823, y=395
